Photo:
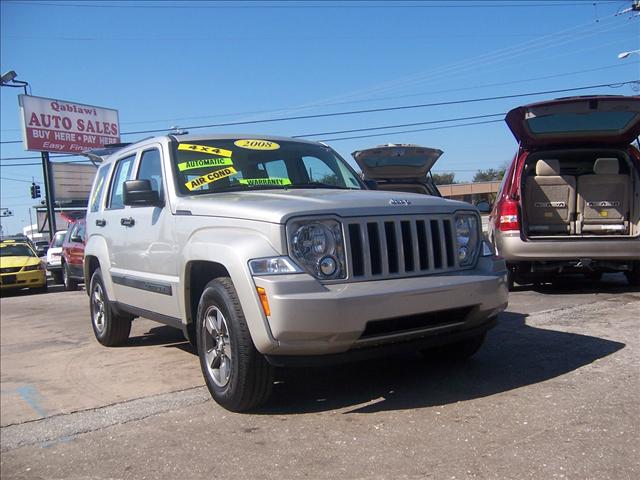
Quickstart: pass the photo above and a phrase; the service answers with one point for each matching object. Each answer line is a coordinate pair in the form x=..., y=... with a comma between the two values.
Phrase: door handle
x=127, y=222
x=101, y=223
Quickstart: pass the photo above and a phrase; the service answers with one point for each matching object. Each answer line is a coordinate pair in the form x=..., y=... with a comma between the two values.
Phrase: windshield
x=16, y=250
x=209, y=166
x=58, y=240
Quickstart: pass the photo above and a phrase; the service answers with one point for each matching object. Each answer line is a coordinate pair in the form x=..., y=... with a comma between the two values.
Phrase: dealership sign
x=60, y=126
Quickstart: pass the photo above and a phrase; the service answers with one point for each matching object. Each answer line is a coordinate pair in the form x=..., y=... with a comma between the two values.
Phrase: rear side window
x=151, y=169
x=98, y=188
x=121, y=174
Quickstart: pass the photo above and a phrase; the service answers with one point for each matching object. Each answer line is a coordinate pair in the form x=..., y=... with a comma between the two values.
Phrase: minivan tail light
x=508, y=218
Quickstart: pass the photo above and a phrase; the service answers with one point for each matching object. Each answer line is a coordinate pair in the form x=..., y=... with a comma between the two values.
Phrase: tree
x=445, y=178
x=489, y=175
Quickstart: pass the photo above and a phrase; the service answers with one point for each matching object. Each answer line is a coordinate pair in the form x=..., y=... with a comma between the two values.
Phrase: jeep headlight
x=467, y=237
x=318, y=247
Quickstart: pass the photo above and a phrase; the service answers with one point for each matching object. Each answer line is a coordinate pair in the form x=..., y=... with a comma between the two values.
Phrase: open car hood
x=611, y=120
x=387, y=162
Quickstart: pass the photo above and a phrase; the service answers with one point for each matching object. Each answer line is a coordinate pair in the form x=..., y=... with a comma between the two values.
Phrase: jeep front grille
x=402, y=246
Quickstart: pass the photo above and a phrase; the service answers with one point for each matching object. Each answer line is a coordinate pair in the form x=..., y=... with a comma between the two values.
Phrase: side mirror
x=371, y=184
x=138, y=193
x=483, y=206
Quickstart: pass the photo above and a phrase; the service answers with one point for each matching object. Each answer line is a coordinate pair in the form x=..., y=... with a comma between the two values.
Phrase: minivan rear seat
x=550, y=199
x=603, y=199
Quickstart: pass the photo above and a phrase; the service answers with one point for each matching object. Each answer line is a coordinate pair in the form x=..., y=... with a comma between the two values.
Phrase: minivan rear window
x=596, y=121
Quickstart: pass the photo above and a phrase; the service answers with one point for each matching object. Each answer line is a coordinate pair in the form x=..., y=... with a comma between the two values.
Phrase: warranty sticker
x=210, y=178
x=204, y=149
x=253, y=144
x=266, y=181
x=205, y=162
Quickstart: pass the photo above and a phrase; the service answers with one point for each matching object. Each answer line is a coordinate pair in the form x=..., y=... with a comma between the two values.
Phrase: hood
x=13, y=262
x=387, y=162
x=602, y=120
x=277, y=206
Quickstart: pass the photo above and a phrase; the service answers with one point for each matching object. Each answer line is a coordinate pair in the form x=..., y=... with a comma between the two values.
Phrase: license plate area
x=8, y=279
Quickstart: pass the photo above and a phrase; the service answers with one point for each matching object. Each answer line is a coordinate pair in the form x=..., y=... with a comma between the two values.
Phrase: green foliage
x=489, y=175
x=445, y=178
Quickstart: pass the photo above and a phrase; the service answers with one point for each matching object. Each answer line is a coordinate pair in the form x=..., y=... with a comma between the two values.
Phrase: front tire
x=69, y=283
x=238, y=377
x=111, y=328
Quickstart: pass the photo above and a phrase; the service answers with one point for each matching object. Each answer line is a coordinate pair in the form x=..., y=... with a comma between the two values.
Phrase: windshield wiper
x=316, y=185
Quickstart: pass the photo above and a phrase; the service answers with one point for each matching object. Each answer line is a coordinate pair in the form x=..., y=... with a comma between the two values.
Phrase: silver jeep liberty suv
x=269, y=251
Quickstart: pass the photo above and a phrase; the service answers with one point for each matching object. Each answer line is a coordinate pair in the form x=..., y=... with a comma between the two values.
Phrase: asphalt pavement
x=552, y=394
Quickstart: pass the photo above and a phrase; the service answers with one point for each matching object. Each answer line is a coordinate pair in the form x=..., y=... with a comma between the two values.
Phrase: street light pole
x=9, y=80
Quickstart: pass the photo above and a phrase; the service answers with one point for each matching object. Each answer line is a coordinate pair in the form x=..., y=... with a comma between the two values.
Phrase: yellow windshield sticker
x=209, y=178
x=254, y=144
x=266, y=181
x=205, y=162
x=204, y=149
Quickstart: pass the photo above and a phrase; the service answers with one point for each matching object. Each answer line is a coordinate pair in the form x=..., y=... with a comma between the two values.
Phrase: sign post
x=60, y=126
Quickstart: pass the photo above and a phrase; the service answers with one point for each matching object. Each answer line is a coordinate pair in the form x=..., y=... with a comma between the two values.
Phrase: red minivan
x=570, y=201
x=73, y=255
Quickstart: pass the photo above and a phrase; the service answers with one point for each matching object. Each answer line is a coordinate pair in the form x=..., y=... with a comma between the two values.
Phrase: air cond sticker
x=266, y=181
x=205, y=162
x=210, y=178
x=254, y=144
x=204, y=149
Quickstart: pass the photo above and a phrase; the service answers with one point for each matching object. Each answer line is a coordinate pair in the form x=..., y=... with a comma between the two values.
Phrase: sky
x=200, y=63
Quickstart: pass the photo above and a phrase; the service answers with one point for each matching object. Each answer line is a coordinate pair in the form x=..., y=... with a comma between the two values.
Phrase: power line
x=399, y=125
x=382, y=109
x=410, y=131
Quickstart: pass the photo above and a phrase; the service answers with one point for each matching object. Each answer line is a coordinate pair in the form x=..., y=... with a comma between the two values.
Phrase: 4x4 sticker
x=254, y=144
x=205, y=162
x=204, y=149
x=266, y=181
x=209, y=178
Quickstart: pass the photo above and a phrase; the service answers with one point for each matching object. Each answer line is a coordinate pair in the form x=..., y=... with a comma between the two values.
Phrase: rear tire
x=455, y=352
x=69, y=283
x=238, y=377
x=593, y=276
x=633, y=276
x=57, y=277
x=110, y=327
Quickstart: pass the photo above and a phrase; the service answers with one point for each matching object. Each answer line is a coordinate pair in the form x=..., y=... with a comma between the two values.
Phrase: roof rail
x=97, y=155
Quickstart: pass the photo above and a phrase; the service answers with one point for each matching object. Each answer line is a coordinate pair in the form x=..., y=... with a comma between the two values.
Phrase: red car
x=570, y=201
x=73, y=255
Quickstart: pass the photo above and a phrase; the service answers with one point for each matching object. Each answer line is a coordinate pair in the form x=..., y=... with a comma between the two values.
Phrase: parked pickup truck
x=269, y=251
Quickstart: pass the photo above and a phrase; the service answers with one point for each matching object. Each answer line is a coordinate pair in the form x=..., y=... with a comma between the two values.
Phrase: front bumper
x=514, y=249
x=308, y=318
x=33, y=279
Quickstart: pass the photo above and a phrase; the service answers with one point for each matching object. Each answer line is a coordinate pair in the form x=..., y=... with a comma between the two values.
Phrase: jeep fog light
x=467, y=236
x=273, y=266
x=317, y=246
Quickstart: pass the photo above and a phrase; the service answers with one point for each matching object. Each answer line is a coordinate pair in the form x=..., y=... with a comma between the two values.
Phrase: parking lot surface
x=552, y=394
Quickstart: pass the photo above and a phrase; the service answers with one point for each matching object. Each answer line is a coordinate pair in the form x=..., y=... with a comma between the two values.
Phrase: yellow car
x=20, y=267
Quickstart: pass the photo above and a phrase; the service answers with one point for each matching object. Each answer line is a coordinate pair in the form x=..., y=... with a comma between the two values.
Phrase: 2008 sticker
x=205, y=149
x=210, y=178
x=256, y=144
x=205, y=162
x=266, y=181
